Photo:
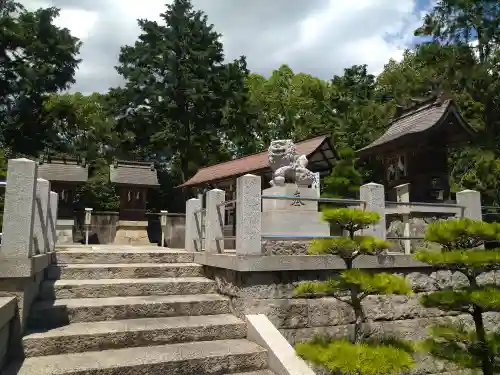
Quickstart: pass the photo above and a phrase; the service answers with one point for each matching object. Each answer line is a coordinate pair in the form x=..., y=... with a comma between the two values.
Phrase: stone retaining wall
x=270, y=293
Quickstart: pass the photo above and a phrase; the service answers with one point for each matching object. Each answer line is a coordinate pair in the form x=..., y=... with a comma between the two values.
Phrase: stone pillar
x=374, y=197
x=40, y=229
x=214, y=221
x=52, y=220
x=19, y=215
x=193, y=224
x=471, y=200
x=248, y=215
x=403, y=195
x=163, y=226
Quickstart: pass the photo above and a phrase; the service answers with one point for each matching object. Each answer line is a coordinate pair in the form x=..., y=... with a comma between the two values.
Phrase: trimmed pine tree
x=461, y=240
x=359, y=354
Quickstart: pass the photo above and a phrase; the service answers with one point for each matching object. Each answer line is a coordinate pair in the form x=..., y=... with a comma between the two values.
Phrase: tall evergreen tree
x=345, y=180
x=180, y=99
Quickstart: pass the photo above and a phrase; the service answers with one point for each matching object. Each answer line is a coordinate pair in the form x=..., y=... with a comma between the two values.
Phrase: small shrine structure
x=65, y=175
x=133, y=181
x=414, y=149
x=318, y=150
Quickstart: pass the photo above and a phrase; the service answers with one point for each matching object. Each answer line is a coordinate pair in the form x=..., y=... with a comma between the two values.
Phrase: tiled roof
x=133, y=173
x=416, y=120
x=63, y=171
x=247, y=164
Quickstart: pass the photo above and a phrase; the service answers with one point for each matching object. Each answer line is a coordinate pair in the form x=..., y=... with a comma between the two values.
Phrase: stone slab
x=50, y=314
x=294, y=223
x=290, y=190
x=283, y=359
x=95, y=336
x=7, y=309
x=110, y=256
x=101, y=288
x=22, y=268
x=124, y=271
x=262, y=372
x=206, y=357
x=267, y=263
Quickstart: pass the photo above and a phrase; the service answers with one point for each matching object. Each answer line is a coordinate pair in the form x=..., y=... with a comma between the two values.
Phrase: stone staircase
x=135, y=311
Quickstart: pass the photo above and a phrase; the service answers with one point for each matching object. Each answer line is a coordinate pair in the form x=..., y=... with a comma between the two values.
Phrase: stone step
x=193, y=358
x=121, y=256
x=123, y=271
x=50, y=314
x=126, y=287
x=117, y=334
x=259, y=372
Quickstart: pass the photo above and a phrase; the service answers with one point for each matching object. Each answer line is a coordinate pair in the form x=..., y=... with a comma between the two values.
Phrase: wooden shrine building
x=133, y=181
x=414, y=149
x=319, y=152
x=65, y=175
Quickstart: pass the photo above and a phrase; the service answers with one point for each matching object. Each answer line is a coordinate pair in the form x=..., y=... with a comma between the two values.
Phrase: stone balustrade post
x=214, y=221
x=52, y=220
x=403, y=195
x=18, y=218
x=249, y=215
x=374, y=197
x=40, y=238
x=471, y=201
x=193, y=225
x=163, y=226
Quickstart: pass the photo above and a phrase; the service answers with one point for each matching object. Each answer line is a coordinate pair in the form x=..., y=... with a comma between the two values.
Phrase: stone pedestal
x=132, y=233
x=292, y=217
x=64, y=232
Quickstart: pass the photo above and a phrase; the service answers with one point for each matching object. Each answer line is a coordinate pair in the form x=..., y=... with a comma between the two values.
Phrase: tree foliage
x=462, y=251
x=36, y=59
x=358, y=355
x=178, y=98
x=86, y=128
x=344, y=180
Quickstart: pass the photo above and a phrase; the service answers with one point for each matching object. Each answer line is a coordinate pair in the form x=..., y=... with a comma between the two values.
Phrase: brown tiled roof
x=63, y=171
x=417, y=120
x=133, y=173
x=247, y=164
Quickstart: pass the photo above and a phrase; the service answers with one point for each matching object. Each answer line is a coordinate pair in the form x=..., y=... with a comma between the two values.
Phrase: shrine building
x=414, y=149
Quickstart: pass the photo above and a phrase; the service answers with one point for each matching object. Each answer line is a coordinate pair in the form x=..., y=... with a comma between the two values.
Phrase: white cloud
x=320, y=37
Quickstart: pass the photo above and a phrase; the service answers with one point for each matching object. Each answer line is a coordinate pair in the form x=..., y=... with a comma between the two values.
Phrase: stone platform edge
x=270, y=263
x=282, y=357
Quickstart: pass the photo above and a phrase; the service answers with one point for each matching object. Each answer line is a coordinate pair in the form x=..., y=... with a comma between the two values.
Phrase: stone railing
x=29, y=220
x=29, y=232
x=205, y=226
x=7, y=326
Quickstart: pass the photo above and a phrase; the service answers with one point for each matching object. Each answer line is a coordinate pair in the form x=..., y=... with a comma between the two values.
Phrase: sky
x=319, y=37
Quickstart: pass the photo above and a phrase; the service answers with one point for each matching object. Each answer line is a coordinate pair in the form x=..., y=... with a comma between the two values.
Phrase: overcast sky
x=320, y=37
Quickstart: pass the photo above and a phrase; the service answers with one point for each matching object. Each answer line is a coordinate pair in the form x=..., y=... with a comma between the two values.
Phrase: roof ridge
x=410, y=111
x=257, y=153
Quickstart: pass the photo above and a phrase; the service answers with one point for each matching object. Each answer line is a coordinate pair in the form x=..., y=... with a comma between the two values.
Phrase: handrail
x=284, y=237
x=199, y=211
x=490, y=208
x=227, y=203
x=424, y=204
x=320, y=200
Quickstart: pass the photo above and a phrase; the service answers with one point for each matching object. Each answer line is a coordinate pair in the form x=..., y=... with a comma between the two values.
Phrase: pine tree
x=361, y=354
x=344, y=180
x=461, y=243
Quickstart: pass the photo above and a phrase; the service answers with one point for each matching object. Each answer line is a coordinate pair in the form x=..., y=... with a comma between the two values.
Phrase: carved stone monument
x=291, y=178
